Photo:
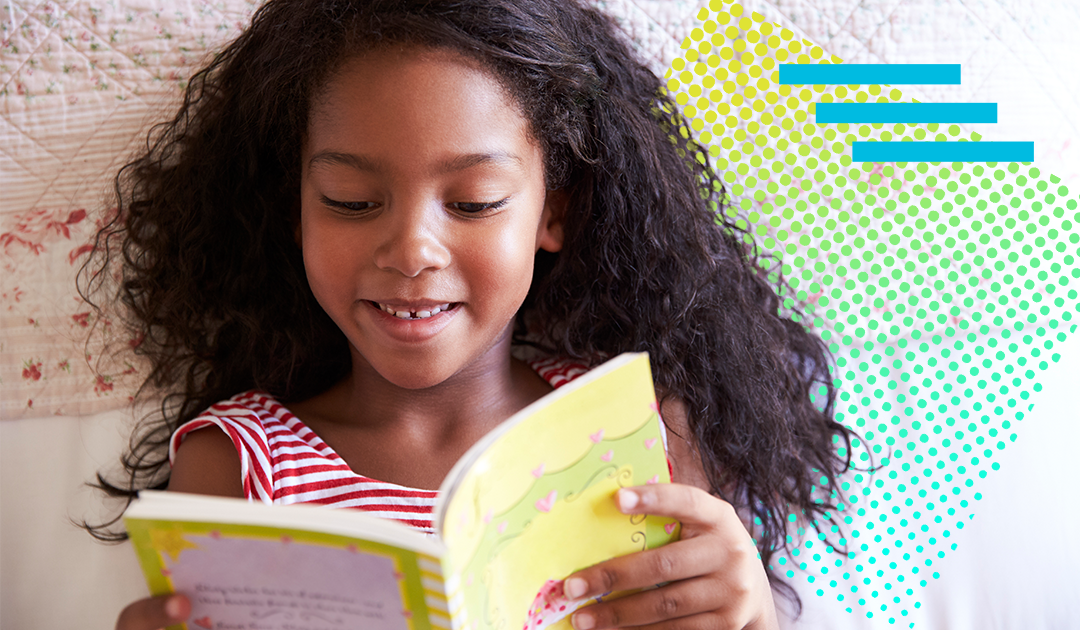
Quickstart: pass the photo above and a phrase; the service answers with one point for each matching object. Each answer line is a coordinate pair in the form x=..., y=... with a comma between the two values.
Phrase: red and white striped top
x=282, y=461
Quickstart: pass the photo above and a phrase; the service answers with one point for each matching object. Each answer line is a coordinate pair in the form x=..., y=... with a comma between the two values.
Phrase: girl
x=365, y=212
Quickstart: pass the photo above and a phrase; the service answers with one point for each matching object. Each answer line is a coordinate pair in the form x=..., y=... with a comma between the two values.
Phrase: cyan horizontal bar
x=870, y=74
x=943, y=152
x=828, y=113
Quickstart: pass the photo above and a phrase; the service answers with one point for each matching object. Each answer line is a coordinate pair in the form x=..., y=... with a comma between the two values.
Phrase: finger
x=674, y=601
x=716, y=620
x=677, y=561
x=690, y=505
x=154, y=613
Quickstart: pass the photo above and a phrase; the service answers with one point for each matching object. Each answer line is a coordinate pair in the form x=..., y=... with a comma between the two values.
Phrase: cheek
x=321, y=285
x=328, y=260
x=507, y=263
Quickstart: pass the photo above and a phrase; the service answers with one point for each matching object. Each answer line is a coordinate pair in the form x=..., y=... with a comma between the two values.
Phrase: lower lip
x=412, y=330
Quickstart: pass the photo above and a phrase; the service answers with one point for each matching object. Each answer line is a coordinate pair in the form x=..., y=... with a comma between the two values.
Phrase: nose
x=412, y=242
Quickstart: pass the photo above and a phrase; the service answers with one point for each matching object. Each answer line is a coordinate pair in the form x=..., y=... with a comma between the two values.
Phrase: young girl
x=366, y=212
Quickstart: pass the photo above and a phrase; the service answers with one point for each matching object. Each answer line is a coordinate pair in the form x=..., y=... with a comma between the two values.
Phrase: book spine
x=435, y=593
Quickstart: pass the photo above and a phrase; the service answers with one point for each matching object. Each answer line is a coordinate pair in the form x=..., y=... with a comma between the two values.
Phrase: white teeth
x=415, y=314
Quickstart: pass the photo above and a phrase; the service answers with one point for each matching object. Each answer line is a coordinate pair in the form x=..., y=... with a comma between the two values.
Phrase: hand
x=153, y=613
x=715, y=577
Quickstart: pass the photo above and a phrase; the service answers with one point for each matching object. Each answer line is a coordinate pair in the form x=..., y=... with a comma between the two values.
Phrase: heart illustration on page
x=596, y=437
x=203, y=622
x=649, y=443
x=538, y=471
x=607, y=456
x=545, y=504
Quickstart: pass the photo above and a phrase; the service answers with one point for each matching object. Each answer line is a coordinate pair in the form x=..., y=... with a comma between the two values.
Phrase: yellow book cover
x=529, y=504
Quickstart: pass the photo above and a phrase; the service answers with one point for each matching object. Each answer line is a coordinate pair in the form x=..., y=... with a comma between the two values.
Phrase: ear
x=550, y=235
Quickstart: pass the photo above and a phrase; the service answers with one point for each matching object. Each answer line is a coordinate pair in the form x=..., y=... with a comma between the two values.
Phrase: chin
x=413, y=381
x=410, y=374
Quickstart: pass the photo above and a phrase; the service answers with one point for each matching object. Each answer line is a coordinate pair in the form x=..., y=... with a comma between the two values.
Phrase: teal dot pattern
x=941, y=289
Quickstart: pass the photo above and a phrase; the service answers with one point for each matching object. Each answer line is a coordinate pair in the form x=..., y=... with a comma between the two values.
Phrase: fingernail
x=574, y=588
x=174, y=608
x=583, y=621
x=628, y=500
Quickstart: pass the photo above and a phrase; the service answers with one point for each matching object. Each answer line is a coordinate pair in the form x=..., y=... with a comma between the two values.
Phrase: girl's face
x=422, y=206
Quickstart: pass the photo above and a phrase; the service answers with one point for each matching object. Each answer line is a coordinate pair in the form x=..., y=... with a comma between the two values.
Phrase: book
x=526, y=506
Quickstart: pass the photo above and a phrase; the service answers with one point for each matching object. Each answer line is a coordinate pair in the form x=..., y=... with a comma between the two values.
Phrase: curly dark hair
x=213, y=281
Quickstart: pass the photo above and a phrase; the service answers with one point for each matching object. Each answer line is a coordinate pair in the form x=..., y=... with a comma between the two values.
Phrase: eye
x=350, y=207
x=478, y=207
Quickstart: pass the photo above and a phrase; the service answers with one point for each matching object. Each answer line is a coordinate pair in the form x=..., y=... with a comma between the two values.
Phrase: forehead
x=415, y=99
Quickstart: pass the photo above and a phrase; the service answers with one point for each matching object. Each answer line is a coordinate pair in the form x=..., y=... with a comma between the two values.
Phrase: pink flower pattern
x=109, y=64
x=32, y=370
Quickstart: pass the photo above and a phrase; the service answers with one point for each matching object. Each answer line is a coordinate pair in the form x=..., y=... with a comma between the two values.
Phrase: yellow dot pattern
x=941, y=289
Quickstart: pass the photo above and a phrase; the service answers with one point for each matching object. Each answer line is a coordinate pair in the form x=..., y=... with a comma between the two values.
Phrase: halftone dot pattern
x=942, y=290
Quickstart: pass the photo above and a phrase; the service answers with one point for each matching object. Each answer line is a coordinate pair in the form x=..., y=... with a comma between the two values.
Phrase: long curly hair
x=213, y=282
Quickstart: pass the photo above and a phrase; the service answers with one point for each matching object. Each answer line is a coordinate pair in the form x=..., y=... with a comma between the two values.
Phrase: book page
x=538, y=504
x=243, y=577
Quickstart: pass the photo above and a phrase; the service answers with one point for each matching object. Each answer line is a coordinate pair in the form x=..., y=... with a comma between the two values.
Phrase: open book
x=529, y=504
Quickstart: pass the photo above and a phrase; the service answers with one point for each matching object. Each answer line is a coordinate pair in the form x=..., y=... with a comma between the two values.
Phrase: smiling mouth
x=415, y=313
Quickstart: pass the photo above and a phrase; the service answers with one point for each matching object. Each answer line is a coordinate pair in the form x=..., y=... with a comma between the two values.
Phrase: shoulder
x=207, y=463
x=205, y=452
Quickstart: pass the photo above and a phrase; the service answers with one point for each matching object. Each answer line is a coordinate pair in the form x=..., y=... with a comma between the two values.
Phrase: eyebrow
x=452, y=165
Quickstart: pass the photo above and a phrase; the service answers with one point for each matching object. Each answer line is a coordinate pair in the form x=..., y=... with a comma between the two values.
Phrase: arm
x=206, y=463
x=714, y=574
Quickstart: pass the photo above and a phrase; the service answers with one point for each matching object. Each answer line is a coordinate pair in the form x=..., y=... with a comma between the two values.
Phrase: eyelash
x=483, y=206
x=479, y=207
x=347, y=205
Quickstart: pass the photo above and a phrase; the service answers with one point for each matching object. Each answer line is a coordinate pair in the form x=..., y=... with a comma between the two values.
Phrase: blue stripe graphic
x=906, y=113
x=869, y=73
x=943, y=151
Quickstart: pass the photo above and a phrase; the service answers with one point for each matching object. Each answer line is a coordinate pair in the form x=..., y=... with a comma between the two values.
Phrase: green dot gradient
x=942, y=290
